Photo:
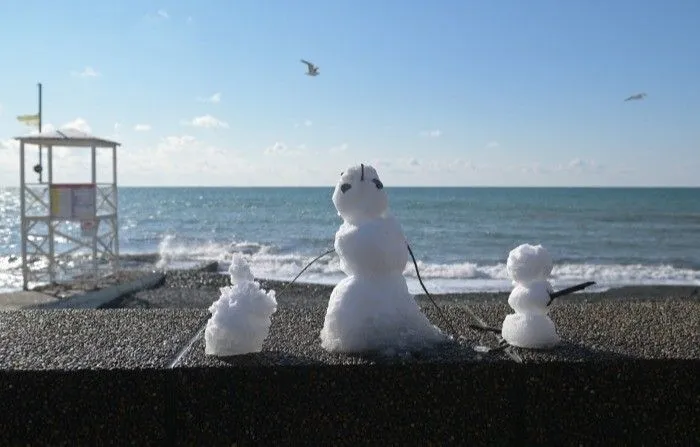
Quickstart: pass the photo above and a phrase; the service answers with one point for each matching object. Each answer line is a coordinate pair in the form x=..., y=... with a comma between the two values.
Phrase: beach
x=629, y=322
x=642, y=322
x=134, y=370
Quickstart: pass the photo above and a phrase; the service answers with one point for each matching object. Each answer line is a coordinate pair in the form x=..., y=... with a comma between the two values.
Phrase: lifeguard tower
x=67, y=227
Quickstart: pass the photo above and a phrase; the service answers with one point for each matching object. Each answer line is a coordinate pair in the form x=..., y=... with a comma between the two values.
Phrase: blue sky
x=450, y=92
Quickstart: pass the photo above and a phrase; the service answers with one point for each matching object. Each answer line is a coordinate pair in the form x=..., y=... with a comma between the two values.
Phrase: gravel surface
x=148, y=328
x=81, y=285
x=166, y=298
x=192, y=279
x=294, y=340
x=594, y=327
x=294, y=334
x=603, y=330
x=76, y=339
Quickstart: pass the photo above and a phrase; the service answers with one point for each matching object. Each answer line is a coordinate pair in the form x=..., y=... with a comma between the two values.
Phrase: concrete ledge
x=97, y=298
x=25, y=299
x=631, y=402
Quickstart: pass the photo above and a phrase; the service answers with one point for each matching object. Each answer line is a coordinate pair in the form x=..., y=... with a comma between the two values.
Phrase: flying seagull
x=636, y=97
x=313, y=70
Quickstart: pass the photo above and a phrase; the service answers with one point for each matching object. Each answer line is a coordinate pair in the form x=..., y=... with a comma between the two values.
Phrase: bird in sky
x=313, y=70
x=636, y=97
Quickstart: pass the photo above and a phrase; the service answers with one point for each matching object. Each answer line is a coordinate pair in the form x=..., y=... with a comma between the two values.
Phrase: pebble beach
x=644, y=322
x=143, y=348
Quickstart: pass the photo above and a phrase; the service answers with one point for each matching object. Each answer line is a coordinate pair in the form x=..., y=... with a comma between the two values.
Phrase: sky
x=430, y=93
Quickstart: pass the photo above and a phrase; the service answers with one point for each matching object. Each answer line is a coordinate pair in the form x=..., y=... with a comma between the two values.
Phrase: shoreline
x=148, y=262
x=646, y=291
x=140, y=264
x=199, y=289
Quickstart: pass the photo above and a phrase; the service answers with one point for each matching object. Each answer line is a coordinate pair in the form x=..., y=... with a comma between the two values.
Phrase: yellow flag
x=29, y=120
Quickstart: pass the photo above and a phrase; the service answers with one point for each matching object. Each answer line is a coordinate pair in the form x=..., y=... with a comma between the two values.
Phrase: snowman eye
x=378, y=183
x=344, y=187
x=341, y=174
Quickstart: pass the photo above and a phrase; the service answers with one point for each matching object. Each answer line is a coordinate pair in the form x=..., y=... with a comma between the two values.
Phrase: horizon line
x=401, y=186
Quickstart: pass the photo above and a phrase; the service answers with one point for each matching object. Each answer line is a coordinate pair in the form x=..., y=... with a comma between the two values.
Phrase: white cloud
x=277, y=148
x=177, y=142
x=189, y=19
x=142, y=127
x=214, y=99
x=87, y=72
x=79, y=124
x=578, y=164
x=337, y=149
x=430, y=171
x=573, y=167
x=280, y=148
x=163, y=14
x=534, y=168
x=305, y=123
x=184, y=160
x=492, y=144
x=431, y=133
x=206, y=121
x=9, y=144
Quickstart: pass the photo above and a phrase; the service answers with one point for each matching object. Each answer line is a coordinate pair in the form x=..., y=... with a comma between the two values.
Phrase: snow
x=529, y=262
x=376, y=246
x=240, y=318
x=371, y=309
x=530, y=331
x=530, y=326
x=362, y=199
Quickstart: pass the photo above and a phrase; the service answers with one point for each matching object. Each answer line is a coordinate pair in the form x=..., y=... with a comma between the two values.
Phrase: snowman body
x=240, y=318
x=371, y=309
x=530, y=325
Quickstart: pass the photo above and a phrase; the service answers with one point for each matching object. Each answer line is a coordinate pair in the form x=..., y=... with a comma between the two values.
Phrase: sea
x=460, y=236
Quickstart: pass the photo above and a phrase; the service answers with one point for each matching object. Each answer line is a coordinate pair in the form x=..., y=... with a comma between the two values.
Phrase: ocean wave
x=267, y=261
x=270, y=262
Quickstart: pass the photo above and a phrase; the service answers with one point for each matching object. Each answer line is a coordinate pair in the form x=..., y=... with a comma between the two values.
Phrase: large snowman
x=530, y=326
x=371, y=309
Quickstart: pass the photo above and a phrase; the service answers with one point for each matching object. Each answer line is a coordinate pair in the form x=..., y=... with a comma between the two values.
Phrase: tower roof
x=66, y=137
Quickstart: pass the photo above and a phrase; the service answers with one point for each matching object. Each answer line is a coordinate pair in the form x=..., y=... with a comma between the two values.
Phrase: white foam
x=240, y=318
x=448, y=277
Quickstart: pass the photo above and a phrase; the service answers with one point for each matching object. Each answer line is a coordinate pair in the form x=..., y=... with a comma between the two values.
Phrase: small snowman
x=371, y=309
x=240, y=318
x=530, y=326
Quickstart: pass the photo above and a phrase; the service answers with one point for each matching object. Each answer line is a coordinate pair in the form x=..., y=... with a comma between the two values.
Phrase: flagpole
x=40, y=149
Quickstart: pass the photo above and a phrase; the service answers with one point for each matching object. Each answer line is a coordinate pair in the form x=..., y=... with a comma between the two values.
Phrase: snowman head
x=239, y=269
x=359, y=195
x=527, y=263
